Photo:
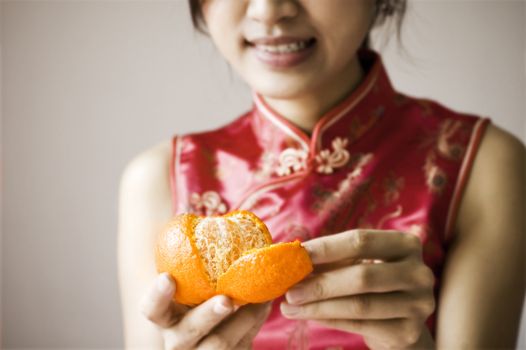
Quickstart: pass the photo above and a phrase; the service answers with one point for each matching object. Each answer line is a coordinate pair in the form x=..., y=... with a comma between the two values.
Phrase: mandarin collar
x=329, y=146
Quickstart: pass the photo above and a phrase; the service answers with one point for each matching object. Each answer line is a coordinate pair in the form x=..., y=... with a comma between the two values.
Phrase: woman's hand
x=386, y=302
x=215, y=324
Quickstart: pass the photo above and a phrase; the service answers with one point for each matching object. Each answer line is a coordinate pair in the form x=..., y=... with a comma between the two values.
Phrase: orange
x=232, y=255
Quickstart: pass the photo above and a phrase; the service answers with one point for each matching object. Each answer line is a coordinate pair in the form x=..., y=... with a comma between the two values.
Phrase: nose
x=271, y=12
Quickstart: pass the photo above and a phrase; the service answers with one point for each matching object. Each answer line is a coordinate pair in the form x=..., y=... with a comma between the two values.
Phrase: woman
x=412, y=213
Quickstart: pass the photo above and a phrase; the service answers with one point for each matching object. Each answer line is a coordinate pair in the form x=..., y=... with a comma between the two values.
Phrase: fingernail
x=164, y=284
x=295, y=296
x=289, y=310
x=222, y=307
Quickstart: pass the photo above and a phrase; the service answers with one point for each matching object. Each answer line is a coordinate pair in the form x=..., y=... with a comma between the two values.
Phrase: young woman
x=412, y=213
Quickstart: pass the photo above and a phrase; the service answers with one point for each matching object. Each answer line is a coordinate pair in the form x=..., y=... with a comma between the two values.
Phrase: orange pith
x=232, y=255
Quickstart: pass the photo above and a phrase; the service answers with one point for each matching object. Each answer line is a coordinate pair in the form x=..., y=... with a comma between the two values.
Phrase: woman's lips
x=282, y=53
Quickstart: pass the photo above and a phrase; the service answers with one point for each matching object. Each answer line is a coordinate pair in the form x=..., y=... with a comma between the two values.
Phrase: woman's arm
x=144, y=207
x=151, y=319
x=483, y=282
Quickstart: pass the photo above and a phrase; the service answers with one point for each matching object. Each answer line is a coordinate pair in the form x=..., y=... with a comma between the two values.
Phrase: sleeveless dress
x=379, y=159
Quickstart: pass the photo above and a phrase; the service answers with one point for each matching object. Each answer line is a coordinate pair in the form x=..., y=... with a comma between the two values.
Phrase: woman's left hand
x=387, y=302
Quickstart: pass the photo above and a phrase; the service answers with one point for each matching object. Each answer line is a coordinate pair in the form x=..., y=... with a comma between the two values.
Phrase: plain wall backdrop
x=86, y=85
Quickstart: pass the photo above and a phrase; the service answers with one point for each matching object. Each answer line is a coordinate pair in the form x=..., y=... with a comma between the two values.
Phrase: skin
x=388, y=302
x=302, y=93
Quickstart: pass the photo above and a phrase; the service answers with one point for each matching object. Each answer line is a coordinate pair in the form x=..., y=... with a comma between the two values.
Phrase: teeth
x=283, y=48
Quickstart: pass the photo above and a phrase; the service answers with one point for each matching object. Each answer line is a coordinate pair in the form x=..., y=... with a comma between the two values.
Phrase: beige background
x=86, y=85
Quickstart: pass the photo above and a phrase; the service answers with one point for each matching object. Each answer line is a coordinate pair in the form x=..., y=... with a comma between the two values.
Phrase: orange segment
x=264, y=274
x=222, y=240
x=251, y=224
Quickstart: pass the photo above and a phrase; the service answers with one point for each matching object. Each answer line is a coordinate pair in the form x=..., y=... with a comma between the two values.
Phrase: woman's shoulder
x=147, y=173
x=501, y=157
x=496, y=183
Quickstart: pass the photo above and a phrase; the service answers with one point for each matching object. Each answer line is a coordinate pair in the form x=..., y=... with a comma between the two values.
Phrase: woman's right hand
x=215, y=324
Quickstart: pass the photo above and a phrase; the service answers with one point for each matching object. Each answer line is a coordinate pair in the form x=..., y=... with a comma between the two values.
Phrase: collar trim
x=316, y=152
x=281, y=122
x=345, y=106
x=314, y=143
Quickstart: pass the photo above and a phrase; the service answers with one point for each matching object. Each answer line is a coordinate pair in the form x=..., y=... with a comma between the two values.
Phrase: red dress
x=379, y=159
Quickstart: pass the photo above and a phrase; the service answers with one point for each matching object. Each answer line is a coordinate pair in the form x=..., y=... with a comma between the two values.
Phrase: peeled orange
x=232, y=255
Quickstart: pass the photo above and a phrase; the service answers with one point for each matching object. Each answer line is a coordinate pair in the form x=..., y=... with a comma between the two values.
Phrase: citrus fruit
x=231, y=254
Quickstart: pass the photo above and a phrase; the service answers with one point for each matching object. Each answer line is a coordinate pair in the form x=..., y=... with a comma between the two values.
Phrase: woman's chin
x=281, y=90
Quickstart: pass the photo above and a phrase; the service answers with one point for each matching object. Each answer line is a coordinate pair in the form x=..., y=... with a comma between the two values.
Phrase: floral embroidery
x=209, y=203
x=453, y=151
x=396, y=213
x=371, y=205
x=328, y=161
x=291, y=160
x=392, y=185
x=436, y=178
x=358, y=127
x=331, y=200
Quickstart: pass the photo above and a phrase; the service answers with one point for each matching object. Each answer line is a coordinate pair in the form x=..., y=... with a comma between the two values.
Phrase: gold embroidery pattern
x=396, y=213
x=445, y=147
x=357, y=127
x=436, y=178
x=345, y=186
x=328, y=161
x=209, y=203
x=339, y=204
x=370, y=207
x=392, y=186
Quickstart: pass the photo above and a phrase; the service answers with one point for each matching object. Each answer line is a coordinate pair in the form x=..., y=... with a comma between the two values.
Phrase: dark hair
x=385, y=9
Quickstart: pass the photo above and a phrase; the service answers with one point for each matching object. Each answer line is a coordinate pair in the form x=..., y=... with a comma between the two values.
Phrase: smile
x=281, y=55
x=286, y=48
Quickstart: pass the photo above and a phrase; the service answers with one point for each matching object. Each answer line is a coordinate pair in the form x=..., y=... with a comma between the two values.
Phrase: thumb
x=158, y=306
x=246, y=341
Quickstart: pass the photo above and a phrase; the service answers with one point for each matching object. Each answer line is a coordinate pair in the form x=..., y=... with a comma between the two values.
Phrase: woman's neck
x=305, y=111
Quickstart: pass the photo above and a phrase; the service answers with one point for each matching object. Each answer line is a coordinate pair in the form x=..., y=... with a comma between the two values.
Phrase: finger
x=363, y=244
x=335, y=265
x=232, y=331
x=373, y=306
x=198, y=322
x=246, y=341
x=393, y=333
x=157, y=304
x=406, y=275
